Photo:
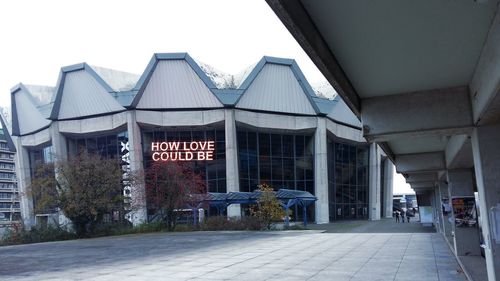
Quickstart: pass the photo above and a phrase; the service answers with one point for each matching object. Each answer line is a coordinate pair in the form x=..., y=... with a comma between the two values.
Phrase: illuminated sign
x=183, y=151
x=127, y=189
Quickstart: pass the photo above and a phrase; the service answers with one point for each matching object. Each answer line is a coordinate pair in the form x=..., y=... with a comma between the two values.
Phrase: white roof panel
x=29, y=117
x=276, y=89
x=84, y=96
x=117, y=80
x=174, y=84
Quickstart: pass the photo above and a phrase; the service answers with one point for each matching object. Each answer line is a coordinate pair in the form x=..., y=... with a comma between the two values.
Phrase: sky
x=40, y=37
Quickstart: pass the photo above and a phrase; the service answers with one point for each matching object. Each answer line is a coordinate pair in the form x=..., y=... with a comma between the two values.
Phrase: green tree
x=268, y=208
x=84, y=188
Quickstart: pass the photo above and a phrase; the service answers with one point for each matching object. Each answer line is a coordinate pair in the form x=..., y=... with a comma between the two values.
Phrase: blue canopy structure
x=287, y=197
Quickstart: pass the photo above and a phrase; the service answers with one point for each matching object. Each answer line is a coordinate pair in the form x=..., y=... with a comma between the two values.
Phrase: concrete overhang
x=409, y=69
x=420, y=185
x=458, y=153
x=421, y=177
x=419, y=163
x=435, y=112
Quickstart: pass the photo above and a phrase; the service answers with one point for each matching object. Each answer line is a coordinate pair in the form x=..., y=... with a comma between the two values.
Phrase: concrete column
x=22, y=166
x=447, y=217
x=388, y=187
x=465, y=239
x=60, y=153
x=321, y=173
x=374, y=183
x=486, y=152
x=232, y=171
x=137, y=192
x=439, y=208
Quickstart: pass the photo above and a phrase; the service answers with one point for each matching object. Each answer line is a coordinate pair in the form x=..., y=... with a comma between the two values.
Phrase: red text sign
x=183, y=151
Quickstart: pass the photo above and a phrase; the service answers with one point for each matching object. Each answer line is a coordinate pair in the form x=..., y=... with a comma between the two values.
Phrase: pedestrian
x=414, y=211
x=397, y=216
x=403, y=216
x=407, y=217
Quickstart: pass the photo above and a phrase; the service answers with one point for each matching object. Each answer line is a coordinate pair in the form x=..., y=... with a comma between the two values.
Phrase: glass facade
x=108, y=146
x=281, y=160
x=214, y=171
x=39, y=157
x=347, y=180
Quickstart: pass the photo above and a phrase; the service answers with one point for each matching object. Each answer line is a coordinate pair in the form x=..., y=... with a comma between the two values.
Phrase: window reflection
x=347, y=180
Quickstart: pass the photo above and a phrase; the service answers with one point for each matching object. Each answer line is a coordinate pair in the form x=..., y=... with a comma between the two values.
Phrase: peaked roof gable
x=342, y=113
x=81, y=92
x=278, y=85
x=174, y=75
x=26, y=115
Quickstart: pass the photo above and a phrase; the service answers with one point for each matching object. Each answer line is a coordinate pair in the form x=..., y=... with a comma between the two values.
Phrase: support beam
x=458, y=152
x=427, y=185
x=486, y=153
x=433, y=112
x=485, y=82
x=445, y=210
x=232, y=171
x=23, y=175
x=374, y=183
x=388, y=188
x=321, y=173
x=422, y=177
x=420, y=162
x=466, y=239
x=138, y=213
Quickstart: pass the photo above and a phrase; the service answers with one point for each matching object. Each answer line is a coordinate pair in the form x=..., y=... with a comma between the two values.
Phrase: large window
x=347, y=180
x=40, y=156
x=214, y=171
x=108, y=146
x=281, y=160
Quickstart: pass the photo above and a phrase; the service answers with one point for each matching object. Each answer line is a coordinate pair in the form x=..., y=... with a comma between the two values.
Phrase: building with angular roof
x=266, y=125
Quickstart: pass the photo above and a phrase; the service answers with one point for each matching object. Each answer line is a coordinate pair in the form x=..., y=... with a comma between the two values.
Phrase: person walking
x=403, y=216
x=407, y=217
x=397, y=216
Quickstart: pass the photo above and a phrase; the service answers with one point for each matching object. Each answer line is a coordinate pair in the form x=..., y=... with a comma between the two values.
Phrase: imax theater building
x=264, y=125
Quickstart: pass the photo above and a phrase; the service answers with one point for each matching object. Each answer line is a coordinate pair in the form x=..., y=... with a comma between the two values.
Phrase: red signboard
x=183, y=151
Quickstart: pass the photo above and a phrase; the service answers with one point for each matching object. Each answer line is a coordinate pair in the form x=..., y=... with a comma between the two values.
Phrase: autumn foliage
x=268, y=208
x=171, y=186
x=84, y=188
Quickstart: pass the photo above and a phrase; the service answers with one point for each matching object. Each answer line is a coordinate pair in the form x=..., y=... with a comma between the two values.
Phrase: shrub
x=223, y=223
x=268, y=208
x=18, y=235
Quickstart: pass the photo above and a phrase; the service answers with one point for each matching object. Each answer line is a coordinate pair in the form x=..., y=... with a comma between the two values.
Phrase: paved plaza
x=274, y=255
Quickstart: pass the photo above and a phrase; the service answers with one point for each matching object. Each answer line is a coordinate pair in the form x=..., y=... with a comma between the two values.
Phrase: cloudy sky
x=39, y=37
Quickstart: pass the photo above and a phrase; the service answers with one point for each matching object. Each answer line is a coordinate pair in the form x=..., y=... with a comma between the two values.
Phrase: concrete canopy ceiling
x=385, y=47
x=418, y=144
x=418, y=73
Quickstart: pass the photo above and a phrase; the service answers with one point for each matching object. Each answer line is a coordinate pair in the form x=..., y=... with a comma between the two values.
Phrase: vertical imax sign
x=183, y=151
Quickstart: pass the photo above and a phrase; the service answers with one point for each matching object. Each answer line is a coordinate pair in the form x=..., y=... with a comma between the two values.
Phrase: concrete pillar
x=60, y=153
x=486, y=151
x=388, y=188
x=439, y=208
x=374, y=183
x=321, y=173
x=138, y=209
x=232, y=171
x=465, y=239
x=22, y=166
